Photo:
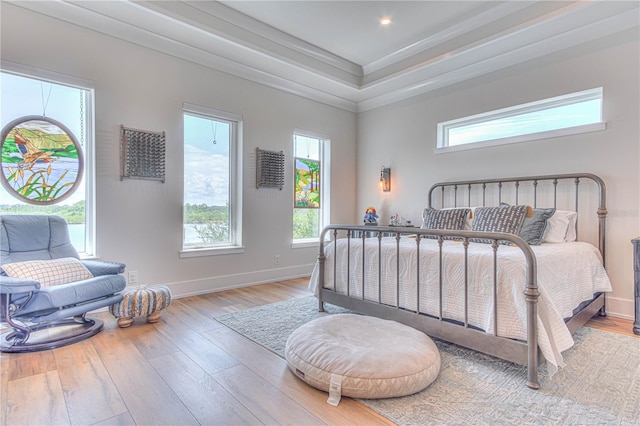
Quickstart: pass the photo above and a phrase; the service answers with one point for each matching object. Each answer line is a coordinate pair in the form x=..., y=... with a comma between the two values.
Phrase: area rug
x=599, y=386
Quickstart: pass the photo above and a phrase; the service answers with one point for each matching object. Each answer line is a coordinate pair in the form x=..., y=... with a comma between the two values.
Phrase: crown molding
x=486, y=17
x=216, y=36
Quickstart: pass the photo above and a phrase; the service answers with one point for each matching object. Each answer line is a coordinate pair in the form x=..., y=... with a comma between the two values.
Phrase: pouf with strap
x=362, y=357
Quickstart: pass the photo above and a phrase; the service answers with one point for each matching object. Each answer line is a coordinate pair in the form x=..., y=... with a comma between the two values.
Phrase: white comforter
x=568, y=274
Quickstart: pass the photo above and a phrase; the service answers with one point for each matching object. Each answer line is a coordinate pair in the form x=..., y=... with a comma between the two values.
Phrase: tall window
x=563, y=115
x=311, y=186
x=212, y=173
x=47, y=149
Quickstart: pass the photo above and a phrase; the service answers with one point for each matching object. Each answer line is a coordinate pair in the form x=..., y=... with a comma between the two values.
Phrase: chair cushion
x=362, y=357
x=49, y=272
x=77, y=292
x=34, y=237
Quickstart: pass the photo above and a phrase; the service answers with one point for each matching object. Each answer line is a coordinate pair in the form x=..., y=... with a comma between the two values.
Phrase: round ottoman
x=146, y=301
x=362, y=357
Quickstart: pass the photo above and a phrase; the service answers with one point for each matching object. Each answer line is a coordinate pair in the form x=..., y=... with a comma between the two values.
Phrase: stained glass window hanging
x=42, y=161
x=307, y=183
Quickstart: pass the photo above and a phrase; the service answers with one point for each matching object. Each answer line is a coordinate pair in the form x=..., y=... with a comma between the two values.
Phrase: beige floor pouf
x=146, y=301
x=362, y=357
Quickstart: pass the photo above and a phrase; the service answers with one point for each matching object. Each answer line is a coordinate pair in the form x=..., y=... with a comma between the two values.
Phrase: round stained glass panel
x=42, y=161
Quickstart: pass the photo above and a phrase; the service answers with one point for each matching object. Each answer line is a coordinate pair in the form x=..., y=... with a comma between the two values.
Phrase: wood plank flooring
x=186, y=369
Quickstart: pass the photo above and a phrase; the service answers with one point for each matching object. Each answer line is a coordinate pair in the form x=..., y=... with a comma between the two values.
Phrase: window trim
x=90, y=249
x=443, y=128
x=325, y=187
x=235, y=205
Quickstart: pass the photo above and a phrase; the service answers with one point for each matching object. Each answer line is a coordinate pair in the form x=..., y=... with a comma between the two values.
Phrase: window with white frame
x=311, y=185
x=574, y=113
x=212, y=181
x=48, y=149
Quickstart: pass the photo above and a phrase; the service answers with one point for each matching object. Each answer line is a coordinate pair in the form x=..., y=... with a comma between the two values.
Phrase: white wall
x=140, y=222
x=403, y=136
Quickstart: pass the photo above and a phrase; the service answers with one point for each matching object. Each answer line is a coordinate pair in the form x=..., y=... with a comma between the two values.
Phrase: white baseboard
x=619, y=308
x=227, y=282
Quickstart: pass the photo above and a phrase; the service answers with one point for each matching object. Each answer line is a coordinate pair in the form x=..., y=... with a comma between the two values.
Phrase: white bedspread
x=568, y=274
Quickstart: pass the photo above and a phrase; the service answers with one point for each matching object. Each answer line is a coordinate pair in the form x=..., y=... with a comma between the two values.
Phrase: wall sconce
x=385, y=179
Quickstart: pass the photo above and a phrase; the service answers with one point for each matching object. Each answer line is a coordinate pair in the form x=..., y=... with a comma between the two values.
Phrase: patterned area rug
x=599, y=386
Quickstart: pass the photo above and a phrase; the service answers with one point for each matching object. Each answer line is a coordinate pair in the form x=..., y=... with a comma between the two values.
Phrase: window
x=212, y=182
x=563, y=115
x=311, y=186
x=47, y=151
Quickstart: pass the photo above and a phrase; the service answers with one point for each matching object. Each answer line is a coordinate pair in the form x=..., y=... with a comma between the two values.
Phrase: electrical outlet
x=276, y=259
x=133, y=277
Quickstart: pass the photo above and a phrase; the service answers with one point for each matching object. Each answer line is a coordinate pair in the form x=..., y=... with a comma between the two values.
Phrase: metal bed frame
x=524, y=353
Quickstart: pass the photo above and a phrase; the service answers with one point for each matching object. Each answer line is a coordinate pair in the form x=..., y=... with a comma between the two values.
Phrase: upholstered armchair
x=45, y=289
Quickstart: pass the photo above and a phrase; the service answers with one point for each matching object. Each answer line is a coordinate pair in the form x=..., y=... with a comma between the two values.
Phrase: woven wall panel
x=142, y=154
x=269, y=169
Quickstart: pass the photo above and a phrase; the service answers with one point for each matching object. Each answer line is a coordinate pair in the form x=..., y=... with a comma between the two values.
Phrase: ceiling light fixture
x=385, y=21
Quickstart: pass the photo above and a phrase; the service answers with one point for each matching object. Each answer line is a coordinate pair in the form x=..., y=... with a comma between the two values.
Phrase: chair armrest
x=101, y=267
x=11, y=285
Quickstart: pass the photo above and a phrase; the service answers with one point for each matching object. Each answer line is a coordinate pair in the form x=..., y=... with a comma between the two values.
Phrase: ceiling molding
x=461, y=27
x=216, y=36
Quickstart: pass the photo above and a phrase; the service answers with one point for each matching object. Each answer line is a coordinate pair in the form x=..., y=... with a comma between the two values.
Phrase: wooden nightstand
x=636, y=282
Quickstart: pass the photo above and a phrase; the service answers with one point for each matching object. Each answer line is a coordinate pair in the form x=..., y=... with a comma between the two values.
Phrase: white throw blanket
x=568, y=274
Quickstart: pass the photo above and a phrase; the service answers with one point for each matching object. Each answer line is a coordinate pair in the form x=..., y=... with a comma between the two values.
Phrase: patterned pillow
x=451, y=219
x=49, y=272
x=533, y=227
x=507, y=219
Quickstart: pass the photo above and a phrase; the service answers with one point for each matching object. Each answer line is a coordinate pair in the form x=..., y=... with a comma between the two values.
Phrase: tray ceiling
x=337, y=52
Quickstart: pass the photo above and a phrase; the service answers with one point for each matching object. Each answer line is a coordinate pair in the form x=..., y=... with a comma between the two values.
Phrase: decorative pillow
x=534, y=225
x=452, y=219
x=561, y=227
x=507, y=219
x=49, y=272
x=469, y=220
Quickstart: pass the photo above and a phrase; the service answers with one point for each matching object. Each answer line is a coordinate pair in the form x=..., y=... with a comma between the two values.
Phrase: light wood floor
x=186, y=369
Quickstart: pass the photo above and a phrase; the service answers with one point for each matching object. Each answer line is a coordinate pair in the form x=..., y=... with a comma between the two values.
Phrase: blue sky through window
x=206, y=164
x=533, y=122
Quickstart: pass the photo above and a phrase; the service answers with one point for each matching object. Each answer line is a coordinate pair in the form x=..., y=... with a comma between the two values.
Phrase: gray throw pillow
x=507, y=219
x=534, y=226
x=450, y=219
x=453, y=219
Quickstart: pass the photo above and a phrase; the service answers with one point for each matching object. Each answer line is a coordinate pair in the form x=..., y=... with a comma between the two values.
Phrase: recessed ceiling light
x=385, y=21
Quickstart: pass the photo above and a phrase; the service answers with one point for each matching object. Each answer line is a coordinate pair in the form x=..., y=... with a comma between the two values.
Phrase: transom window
x=212, y=171
x=563, y=115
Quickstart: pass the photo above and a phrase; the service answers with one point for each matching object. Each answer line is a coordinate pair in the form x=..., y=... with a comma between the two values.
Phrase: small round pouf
x=146, y=301
x=362, y=357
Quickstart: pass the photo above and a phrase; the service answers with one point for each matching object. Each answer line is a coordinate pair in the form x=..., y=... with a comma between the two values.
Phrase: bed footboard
x=458, y=332
x=561, y=192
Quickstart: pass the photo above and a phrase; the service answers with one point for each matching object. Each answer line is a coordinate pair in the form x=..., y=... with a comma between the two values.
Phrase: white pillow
x=561, y=227
x=49, y=272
